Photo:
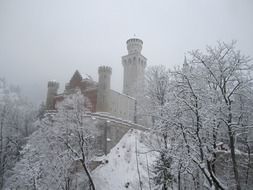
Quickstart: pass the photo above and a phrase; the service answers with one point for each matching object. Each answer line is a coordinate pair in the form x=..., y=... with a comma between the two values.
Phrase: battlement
x=105, y=69
x=134, y=40
x=53, y=84
x=134, y=45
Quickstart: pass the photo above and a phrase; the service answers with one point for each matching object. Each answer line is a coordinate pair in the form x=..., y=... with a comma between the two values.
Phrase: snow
x=110, y=118
x=120, y=172
x=108, y=139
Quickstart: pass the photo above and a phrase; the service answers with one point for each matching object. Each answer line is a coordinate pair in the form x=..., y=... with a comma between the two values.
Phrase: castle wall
x=92, y=96
x=101, y=97
x=121, y=106
x=111, y=130
x=111, y=133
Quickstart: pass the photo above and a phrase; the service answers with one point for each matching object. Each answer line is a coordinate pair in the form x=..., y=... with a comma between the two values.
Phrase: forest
x=199, y=130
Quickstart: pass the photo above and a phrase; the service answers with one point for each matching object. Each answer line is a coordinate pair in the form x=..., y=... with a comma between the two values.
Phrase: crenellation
x=100, y=94
x=53, y=84
x=105, y=69
x=134, y=45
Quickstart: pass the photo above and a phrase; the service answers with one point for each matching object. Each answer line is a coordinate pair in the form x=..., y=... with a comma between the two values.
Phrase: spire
x=185, y=61
x=185, y=65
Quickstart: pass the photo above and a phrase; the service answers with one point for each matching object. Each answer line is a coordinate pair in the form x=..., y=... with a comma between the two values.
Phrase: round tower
x=134, y=45
x=52, y=89
x=104, y=86
x=134, y=68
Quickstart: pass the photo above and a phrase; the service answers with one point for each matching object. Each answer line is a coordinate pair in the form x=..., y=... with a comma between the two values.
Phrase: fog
x=50, y=39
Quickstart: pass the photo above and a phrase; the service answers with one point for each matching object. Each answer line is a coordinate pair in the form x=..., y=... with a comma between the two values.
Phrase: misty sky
x=41, y=40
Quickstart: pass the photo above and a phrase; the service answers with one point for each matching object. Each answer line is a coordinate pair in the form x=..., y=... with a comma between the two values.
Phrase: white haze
x=41, y=40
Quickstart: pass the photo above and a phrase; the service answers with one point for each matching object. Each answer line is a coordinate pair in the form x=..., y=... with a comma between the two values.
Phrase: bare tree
x=208, y=105
x=231, y=72
x=79, y=133
x=63, y=140
x=16, y=118
x=157, y=95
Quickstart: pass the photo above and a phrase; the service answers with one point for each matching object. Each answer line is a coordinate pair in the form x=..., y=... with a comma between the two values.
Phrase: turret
x=104, y=86
x=134, y=45
x=134, y=68
x=52, y=88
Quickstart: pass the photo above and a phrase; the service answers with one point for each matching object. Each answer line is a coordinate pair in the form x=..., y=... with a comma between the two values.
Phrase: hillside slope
x=120, y=168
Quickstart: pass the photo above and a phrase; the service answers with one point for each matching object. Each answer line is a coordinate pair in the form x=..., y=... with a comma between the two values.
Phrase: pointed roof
x=185, y=65
x=76, y=78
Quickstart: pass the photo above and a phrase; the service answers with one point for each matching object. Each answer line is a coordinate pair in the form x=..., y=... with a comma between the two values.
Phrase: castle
x=101, y=96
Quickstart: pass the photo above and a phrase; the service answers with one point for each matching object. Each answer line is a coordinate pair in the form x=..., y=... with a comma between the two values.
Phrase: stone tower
x=134, y=68
x=52, y=89
x=104, y=86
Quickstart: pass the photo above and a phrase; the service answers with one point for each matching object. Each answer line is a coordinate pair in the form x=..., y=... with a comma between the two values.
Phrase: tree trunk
x=232, y=151
x=216, y=182
x=248, y=168
x=88, y=174
x=2, y=148
x=179, y=180
x=232, y=147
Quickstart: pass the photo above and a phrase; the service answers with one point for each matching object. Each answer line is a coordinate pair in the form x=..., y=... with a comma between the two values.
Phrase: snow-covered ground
x=121, y=170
